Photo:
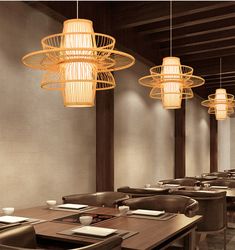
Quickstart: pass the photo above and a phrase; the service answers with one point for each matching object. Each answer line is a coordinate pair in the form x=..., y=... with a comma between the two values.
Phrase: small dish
x=8, y=210
x=85, y=220
x=51, y=203
x=123, y=209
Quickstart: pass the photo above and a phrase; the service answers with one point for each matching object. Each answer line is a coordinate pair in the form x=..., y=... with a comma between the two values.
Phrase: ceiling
x=203, y=32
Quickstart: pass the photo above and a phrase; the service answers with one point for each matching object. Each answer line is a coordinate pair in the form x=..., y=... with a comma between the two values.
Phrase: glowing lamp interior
x=171, y=70
x=78, y=93
x=220, y=104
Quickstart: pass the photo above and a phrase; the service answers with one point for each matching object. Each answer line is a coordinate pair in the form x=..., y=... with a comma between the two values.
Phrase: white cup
x=123, y=209
x=51, y=203
x=147, y=185
x=85, y=220
x=8, y=210
x=206, y=185
x=160, y=183
x=196, y=188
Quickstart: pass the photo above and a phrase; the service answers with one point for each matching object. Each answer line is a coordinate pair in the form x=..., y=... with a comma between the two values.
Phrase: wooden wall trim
x=213, y=144
x=180, y=142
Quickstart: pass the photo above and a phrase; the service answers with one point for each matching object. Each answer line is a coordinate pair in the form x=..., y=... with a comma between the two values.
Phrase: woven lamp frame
x=157, y=79
x=78, y=62
x=104, y=58
x=212, y=102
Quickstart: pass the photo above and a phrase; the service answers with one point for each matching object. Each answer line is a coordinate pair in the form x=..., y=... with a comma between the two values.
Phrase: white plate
x=148, y=212
x=12, y=219
x=72, y=206
x=220, y=187
x=210, y=177
x=172, y=185
x=156, y=189
x=97, y=231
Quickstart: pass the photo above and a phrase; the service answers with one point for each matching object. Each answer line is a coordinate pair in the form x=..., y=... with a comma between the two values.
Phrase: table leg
x=189, y=240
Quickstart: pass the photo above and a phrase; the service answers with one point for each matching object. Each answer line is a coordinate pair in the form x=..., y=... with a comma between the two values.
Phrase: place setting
x=95, y=232
x=150, y=214
x=9, y=220
x=68, y=206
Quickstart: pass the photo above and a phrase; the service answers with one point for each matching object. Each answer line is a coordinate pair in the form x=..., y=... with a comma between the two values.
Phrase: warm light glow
x=172, y=87
x=220, y=104
x=79, y=93
x=78, y=62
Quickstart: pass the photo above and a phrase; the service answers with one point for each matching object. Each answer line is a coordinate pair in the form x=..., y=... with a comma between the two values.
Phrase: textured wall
x=232, y=143
x=144, y=132
x=224, y=144
x=46, y=150
x=197, y=138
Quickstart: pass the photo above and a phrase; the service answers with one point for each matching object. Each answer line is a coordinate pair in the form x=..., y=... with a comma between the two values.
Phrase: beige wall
x=197, y=138
x=46, y=150
x=224, y=144
x=232, y=143
x=144, y=132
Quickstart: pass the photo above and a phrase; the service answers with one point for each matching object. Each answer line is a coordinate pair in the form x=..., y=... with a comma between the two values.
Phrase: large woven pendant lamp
x=220, y=104
x=78, y=62
x=171, y=82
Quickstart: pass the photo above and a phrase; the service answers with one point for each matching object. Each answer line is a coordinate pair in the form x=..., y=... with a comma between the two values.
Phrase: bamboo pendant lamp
x=171, y=82
x=78, y=62
x=220, y=104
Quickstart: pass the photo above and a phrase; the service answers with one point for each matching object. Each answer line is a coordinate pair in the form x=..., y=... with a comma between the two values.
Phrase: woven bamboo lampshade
x=221, y=104
x=171, y=82
x=78, y=62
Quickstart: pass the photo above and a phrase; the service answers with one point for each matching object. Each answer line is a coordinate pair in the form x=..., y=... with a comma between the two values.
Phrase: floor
x=215, y=242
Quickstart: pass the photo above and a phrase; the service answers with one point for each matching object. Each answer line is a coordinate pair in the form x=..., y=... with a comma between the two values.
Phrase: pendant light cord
x=77, y=9
x=220, y=69
x=170, y=27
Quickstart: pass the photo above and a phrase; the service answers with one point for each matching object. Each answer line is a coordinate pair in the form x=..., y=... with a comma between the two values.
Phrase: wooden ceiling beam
x=201, y=48
x=207, y=54
x=188, y=21
x=152, y=12
x=201, y=40
x=217, y=75
x=192, y=31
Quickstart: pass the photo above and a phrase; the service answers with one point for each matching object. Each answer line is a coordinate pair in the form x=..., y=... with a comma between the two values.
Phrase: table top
x=151, y=233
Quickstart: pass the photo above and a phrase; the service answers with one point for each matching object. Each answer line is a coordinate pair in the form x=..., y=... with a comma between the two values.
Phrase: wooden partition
x=213, y=144
x=180, y=141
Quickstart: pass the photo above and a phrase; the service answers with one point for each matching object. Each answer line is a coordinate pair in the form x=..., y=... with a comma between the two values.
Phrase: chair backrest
x=112, y=243
x=19, y=236
x=220, y=174
x=23, y=238
x=212, y=206
x=106, y=199
x=169, y=203
x=181, y=181
x=221, y=182
x=141, y=192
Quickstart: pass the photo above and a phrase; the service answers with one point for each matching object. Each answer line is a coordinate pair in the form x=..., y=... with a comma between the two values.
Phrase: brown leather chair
x=169, y=203
x=23, y=238
x=141, y=192
x=100, y=199
x=221, y=182
x=220, y=174
x=212, y=206
x=181, y=181
x=20, y=236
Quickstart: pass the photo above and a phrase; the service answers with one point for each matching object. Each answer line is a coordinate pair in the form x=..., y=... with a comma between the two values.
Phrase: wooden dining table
x=150, y=233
